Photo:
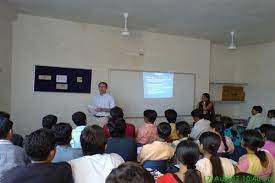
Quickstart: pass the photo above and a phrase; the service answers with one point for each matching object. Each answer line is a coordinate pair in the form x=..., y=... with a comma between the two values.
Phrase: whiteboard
x=127, y=88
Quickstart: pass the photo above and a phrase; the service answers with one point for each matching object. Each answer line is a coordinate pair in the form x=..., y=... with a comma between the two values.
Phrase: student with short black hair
x=49, y=121
x=227, y=146
x=201, y=125
x=40, y=147
x=10, y=154
x=4, y=114
x=147, y=133
x=17, y=140
x=256, y=162
x=211, y=165
x=171, y=117
x=271, y=116
x=159, y=149
x=130, y=172
x=187, y=154
x=94, y=166
x=183, y=131
x=64, y=151
x=79, y=119
x=257, y=118
x=268, y=132
x=126, y=147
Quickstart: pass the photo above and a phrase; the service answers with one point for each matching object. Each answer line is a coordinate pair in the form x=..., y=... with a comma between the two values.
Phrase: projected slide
x=158, y=85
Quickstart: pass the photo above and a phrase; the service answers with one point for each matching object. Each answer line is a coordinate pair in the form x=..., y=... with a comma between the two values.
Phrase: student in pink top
x=148, y=132
x=268, y=131
x=256, y=162
x=227, y=145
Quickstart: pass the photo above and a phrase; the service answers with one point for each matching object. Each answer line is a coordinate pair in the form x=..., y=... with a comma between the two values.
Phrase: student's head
x=17, y=140
x=183, y=129
x=62, y=132
x=209, y=144
x=4, y=114
x=116, y=113
x=268, y=131
x=5, y=128
x=117, y=127
x=130, y=172
x=187, y=154
x=271, y=113
x=49, y=121
x=252, y=141
x=171, y=115
x=218, y=127
x=79, y=118
x=40, y=145
x=102, y=87
x=205, y=97
x=256, y=109
x=93, y=140
x=150, y=116
x=228, y=122
x=196, y=114
x=164, y=130
x=243, y=177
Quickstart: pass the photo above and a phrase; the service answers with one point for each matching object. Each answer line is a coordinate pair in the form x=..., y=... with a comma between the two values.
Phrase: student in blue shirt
x=79, y=119
x=64, y=151
x=230, y=131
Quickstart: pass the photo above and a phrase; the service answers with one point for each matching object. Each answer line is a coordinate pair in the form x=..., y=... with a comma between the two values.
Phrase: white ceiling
x=253, y=20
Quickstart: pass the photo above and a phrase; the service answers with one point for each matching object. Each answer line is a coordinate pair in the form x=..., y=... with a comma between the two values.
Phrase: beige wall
x=53, y=42
x=7, y=14
x=252, y=64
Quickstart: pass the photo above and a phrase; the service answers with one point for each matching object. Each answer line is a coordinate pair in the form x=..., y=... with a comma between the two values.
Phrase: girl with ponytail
x=256, y=162
x=212, y=167
x=227, y=146
x=187, y=154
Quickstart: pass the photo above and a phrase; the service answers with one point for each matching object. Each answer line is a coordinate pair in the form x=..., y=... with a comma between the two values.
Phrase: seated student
x=271, y=116
x=94, y=166
x=230, y=131
x=40, y=147
x=183, y=131
x=257, y=118
x=268, y=132
x=64, y=151
x=187, y=154
x=211, y=165
x=130, y=172
x=17, y=140
x=148, y=132
x=4, y=114
x=49, y=121
x=227, y=145
x=79, y=119
x=171, y=117
x=10, y=155
x=126, y=147
x=256, y=162
x=117, y=113
x=201, y=125
x=159, y=149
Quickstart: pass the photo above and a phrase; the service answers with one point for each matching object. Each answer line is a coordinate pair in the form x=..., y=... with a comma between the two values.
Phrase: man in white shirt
x=201, y=125
x=257, y=118
x=101, y=105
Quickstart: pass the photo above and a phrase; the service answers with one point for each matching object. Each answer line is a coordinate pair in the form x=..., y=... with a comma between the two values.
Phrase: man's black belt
x=99, y=116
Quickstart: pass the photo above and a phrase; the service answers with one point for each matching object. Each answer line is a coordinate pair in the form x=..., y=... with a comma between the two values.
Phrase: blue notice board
x=59, y=79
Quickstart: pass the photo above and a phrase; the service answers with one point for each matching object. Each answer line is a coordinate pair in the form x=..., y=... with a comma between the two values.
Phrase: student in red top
x=117, y=113
x=187, y=154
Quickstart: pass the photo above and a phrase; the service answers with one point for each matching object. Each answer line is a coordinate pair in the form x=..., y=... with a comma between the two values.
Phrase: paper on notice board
x=45, y=77
x=61, y=86
x=61, y=78
x=79, y=79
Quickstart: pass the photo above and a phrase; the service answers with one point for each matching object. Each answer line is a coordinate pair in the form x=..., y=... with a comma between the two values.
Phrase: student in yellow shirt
x=171, y=117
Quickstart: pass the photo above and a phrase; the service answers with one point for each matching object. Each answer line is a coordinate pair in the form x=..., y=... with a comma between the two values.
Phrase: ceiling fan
x=125, y=32
x=232, y=45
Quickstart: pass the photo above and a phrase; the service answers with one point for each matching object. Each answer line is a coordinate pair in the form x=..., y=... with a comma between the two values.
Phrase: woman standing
x=206, y=107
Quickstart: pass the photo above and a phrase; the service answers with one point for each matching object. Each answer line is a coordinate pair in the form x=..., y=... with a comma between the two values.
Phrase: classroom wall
x=252, y=64
x=52, y=42
x=7, y=14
